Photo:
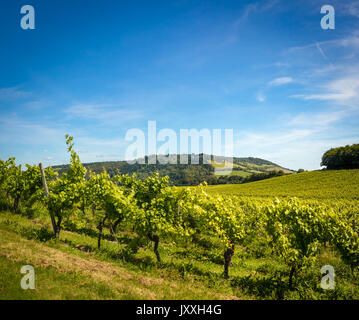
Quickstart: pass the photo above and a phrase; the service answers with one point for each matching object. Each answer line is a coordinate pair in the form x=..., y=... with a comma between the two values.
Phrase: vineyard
x=316, y=185
x=142, y=238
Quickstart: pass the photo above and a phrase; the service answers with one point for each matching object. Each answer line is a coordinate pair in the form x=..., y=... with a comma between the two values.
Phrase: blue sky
x=94, y=69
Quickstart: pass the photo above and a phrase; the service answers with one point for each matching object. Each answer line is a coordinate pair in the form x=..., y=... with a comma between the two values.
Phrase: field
x=330, y=184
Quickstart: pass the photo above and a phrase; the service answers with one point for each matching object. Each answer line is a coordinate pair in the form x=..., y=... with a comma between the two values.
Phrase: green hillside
x=187, y=174
x=326, y=184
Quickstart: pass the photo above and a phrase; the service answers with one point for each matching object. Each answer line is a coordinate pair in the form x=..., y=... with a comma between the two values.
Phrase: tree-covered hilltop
x=342, y=158
x=244, y=170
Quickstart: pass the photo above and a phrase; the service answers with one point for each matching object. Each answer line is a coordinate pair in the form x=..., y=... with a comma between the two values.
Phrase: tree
x=341, y=158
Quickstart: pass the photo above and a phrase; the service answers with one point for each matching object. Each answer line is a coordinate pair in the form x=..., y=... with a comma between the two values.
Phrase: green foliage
x=66, y=191
x=320, y=185
x=345, y=238
x=297, y=232
x=18, y=185
x=161, y=209
x=341, y=158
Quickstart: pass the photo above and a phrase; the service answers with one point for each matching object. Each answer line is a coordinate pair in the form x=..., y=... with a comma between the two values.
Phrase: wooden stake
x=54, y=226
x=44, y=180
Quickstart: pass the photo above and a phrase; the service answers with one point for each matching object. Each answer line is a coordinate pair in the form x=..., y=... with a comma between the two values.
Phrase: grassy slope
x=308, y=185
x=64, y=275
x=72, y=268
x=243, y=167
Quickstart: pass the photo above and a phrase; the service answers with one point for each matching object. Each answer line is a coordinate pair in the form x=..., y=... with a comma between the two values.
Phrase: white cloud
x=280, y=81
x=316, y=120
x=344, y=91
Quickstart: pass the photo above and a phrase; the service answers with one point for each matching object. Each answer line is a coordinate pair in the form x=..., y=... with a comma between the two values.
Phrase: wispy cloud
x=299, y=143
x=280, y=81
x=17, y=130
x=317, y=120
x=344, y=91
x=254, y=8
x=103, y=112
x=321, y=50
x=272, y=139
x=23, y=132
x=38, y=103
x=351, y=8
x=91, y=148
x=278, y=64
x=260, y=97
x=13, y=93
x=349, y=41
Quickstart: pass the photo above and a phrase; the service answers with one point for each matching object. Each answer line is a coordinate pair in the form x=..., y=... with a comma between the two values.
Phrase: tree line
x=184, y=175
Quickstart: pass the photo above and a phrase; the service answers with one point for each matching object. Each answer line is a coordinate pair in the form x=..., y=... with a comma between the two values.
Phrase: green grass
x=140, y=277
x=328, y=184
x=240, y=173
x=73, y=268
x=50, y=284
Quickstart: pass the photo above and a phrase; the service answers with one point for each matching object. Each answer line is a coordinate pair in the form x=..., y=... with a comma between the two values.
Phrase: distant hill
x=188, y=174
x=324, y=184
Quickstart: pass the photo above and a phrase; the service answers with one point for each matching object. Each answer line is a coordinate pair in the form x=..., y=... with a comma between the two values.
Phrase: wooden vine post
x=54, y=226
